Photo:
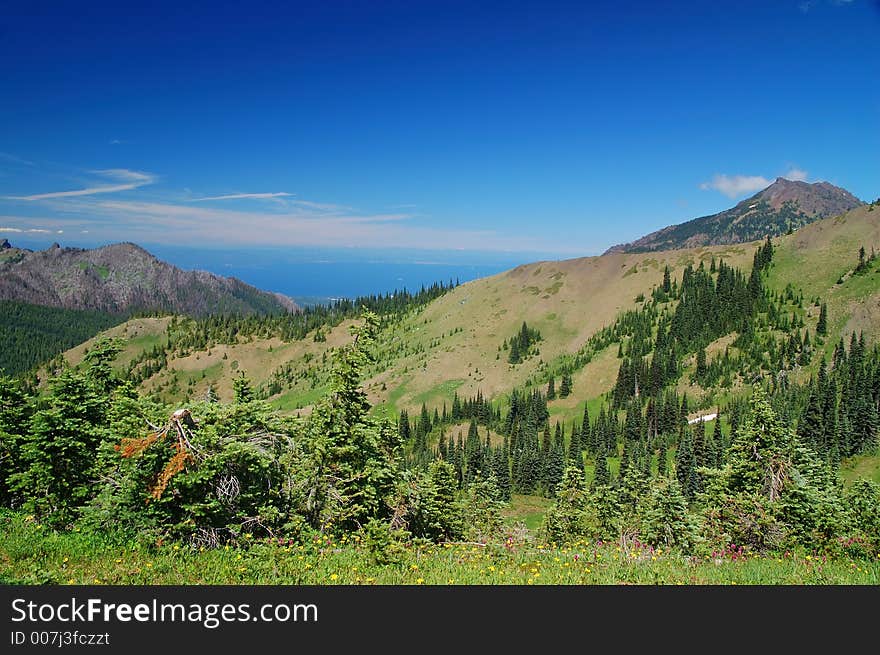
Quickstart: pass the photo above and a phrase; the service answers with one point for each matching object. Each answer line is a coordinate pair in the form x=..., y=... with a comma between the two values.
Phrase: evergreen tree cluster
x=32, y=334
x=91, y=452
x=840, y=415
x=521, y=344
x=185, y=335
x=763, y=487
x=657, y=341
x=864, y=264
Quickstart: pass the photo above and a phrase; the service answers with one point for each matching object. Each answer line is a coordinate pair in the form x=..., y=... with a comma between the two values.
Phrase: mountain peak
x=785, y=204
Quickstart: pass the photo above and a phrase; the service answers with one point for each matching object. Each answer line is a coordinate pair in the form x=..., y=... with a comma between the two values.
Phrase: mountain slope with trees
x=459, y=341
x=783, y=206
x=776, y=339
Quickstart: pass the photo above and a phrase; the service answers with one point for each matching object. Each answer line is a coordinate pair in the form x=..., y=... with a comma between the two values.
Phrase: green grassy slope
x=453, y=344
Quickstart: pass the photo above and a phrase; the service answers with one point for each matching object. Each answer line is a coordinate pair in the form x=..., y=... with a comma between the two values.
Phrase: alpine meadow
x=699, y=405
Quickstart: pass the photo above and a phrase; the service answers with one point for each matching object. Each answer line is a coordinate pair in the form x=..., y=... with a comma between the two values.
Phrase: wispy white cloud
x=238, y=196
x=796, y=174
x=18, y=230
x=127, y=179
x=322, y=206
x=186, y=223
x=5, y=156
x=736, y=185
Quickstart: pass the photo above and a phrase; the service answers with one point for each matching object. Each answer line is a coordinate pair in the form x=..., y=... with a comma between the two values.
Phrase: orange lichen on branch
x=131, y=447
x=174, y=466
x=180, y=423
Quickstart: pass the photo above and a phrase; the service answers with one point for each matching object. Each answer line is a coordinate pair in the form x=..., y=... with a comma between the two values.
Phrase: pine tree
x=567, y=519
x=565, y=389
x=345, y=441
x=685, y=464
x=59, y=453
x=662, y=459
x=501, y=468
x=699, y=444
x=403, y=426
x=551, y=389
x=822, y=325
x=720, y=442
x=701, y=365
x=514, y=357
x=601, y=474
x=585, y=433
x=556, y=464
x=242, y=390
x=16, y=409
x=624, y=459
x=812, y=425
x=575, y=456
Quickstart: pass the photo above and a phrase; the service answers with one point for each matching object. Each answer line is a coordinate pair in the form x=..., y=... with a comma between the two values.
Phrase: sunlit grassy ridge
x=453, y=344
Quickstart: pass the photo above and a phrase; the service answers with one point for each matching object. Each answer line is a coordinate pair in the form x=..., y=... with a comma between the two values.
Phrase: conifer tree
x=59, y=453
x=701, y=365
x=403, y=427
x=585, y=433
x=501, y=469
x=685, y=464
x=822, y=325
x=514, y=357
x=575, y=456
x=565, y=389
x=601, y=474
x=242, y=390
x=624, y=459
x=662, y=459
x=15, y=414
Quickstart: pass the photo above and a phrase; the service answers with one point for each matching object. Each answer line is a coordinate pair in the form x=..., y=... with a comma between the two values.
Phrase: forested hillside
x=353, y=423
x=32, y=334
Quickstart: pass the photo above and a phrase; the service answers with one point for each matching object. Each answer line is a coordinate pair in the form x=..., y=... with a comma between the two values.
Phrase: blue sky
x=519, y=128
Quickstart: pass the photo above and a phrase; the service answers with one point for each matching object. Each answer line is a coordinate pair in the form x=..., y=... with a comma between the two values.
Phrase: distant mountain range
x=782, y=206
x=124, y=278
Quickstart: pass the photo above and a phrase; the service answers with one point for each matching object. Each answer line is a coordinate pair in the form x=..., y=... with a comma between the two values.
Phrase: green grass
x=31, y=554
x=134, y=346
x=103, y=271
x=861, y=466
x=529, y=510
x=442, y=392
x=297, y=399
x=399, y=391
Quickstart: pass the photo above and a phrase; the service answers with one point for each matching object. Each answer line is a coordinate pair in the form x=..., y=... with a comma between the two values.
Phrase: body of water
x=316, y=276
x=319, y=275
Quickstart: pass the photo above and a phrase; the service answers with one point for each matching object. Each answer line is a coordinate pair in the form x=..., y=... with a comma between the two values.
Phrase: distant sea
x=320, y=276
